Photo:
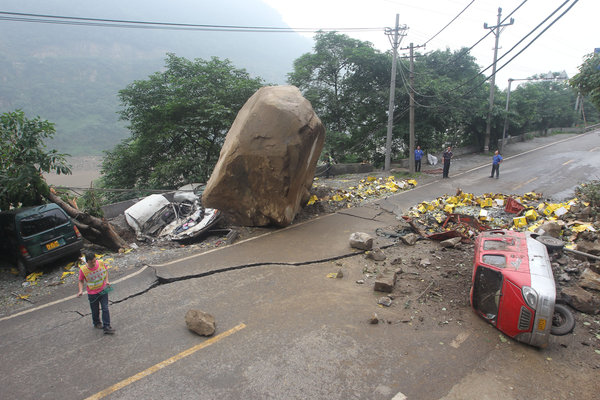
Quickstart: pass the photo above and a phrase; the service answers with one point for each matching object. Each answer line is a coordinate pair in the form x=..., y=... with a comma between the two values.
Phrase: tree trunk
x=96, y=230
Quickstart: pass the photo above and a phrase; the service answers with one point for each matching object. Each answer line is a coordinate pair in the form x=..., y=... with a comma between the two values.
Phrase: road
x=285, y=332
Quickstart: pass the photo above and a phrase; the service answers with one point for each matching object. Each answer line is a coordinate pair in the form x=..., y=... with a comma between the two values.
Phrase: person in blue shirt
x=496, y=160
x=418, y=156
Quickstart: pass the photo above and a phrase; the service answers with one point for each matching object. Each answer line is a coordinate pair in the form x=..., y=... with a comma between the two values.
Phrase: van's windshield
x=486, y=292
x=42, y=222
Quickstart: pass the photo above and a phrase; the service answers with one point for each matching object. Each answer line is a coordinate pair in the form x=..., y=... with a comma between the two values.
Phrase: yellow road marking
x=165, y=363
x=568, y=162
x=525, y=183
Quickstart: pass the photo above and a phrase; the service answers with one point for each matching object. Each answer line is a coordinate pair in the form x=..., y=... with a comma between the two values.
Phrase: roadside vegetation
x=178, y=118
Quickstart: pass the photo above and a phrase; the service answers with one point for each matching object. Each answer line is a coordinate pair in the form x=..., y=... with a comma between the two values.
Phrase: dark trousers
x=495, y=168
x=417, y=165
x=98, y=301
x=446, y=168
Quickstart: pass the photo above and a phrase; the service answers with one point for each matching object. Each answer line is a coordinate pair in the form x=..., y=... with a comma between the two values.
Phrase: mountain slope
x=71, y=75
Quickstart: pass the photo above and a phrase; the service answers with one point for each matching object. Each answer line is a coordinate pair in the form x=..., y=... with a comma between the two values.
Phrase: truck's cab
x=513, y=285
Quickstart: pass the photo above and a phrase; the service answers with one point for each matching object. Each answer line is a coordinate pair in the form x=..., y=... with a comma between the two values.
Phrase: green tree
x=178, y=121
x=346, y=81
x=541, y=104
x=450, y=100
x=24, y=157
x=587, y=81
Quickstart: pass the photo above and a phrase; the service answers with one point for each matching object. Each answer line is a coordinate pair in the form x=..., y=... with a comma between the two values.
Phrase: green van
x=33, y=236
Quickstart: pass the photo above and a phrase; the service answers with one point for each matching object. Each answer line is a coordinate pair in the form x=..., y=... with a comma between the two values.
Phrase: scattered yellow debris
x=66, y=273
x=33, y=276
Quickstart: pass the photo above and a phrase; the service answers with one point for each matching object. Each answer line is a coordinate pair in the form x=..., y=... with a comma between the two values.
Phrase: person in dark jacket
x=447, y=156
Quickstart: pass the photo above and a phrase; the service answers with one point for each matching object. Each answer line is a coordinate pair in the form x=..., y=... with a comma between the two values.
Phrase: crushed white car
x=184, y=219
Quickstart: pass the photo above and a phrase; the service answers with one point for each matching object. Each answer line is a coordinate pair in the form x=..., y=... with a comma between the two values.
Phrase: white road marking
x=68, y=297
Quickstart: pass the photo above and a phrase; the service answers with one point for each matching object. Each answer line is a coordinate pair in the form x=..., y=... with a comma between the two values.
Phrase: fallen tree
x=96, y=230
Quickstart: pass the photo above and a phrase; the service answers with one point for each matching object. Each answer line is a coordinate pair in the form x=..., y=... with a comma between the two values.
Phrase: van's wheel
x=21, y=267
x=550, y=242
x=563, y=321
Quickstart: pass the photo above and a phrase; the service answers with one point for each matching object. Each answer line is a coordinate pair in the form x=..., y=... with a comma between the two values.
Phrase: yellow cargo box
x=531, y=215
x=520, y=222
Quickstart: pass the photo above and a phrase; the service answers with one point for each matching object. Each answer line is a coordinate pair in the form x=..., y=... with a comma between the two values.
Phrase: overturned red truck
x=513, y=287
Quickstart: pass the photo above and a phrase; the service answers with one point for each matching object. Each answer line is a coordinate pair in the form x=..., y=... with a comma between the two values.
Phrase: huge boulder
x=268, y=161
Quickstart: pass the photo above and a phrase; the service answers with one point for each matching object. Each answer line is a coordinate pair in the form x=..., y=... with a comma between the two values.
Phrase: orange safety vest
x=96, y=279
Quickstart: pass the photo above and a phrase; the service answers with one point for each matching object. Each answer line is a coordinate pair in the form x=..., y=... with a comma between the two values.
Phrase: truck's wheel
x=22, y=267
x=550, y=242
x=563, y=321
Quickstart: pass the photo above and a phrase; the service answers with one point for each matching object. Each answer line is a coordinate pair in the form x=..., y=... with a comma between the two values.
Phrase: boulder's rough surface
x=268, y=161
x=200, y=322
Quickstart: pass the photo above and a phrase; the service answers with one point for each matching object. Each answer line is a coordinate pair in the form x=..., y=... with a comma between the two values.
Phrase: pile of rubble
x=460, y=218
x=368, y=188
x=468, y=214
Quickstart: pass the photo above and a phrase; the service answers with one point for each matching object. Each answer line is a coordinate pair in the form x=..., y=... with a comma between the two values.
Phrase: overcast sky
x=562, y=47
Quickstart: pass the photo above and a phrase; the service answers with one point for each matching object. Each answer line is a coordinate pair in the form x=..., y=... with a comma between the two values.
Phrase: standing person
x=418, y=157
x=95, y=275
x=447, y=156
x=328, y=161
x=496, y=160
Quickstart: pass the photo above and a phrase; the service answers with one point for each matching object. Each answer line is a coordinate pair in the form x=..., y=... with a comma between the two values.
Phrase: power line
x=116, y=23
x=449, y=23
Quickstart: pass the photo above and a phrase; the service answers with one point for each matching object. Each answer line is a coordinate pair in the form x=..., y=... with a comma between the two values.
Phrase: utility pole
x=496, y=31
x=411, y=109
x=395, y=44
x=411, y=113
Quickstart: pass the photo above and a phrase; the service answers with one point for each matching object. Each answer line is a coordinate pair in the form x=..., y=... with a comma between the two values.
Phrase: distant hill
x=71, y=75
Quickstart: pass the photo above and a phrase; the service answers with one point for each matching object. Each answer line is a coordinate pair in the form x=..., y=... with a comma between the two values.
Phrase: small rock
x=551, y=229
x=385, y=282
x=361, y=241
x=200, y=322
x=339, y=274
x=409, y=239
x=581, y=300
x=452, y=242
x=376, y=255
x=385, y=301
x=590, y=280
x=425, y=262
x=564, y=278
x=396, y=261
x=374, y=320
x=562, y=260
x=571, y=270
x=589, y=247
x=360, y=281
